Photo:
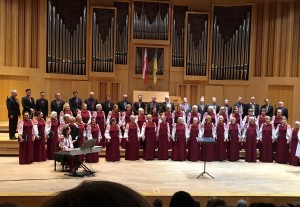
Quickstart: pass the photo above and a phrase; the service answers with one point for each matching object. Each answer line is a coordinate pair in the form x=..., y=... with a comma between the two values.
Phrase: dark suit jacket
x=27, y=105
x=150, y=107
x=91, y=107
x=57, y=107
x=164, y=105
x=39, y=106
x=285, y=112
x=107, y=108
x=122, y=105
x=136, y=107
x=244, y=108
x=270, y=110
x=229, y=110
x=202, y=112
x=13, y=106
x=75, y=105
x=256, y=108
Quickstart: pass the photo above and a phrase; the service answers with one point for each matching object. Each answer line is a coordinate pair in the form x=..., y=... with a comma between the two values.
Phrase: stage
x=233, y=180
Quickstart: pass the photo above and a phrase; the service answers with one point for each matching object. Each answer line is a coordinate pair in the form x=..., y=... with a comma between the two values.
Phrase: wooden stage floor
x=161, y=178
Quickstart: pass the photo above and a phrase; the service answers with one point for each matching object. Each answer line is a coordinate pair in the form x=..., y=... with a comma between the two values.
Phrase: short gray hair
x=241, y=203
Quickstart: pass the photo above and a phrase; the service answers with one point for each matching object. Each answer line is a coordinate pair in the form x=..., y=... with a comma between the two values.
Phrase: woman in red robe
x=85, y=114
x=114, y=113
x=237, y=116
x=261, y=119
x=93, y=132
x=81, y=133
x=194, y=113
x=131, y=135
x=155, y=116
x=210, y=112
x=66, y=110
x=246, y=118
x=148, y=135
x=221, y=138
x=178, y=113
x=125, y=120
x=234, y=137
x=293, y=159
x=193, y=145
x=140, y=120
x=27, y=134
x=113, y=136
x=283, y=135
x=179, y=137
x=52, y=135
x=223, y=113
x=208, y=130
x=39, y=142
x=100, y=120
x=163, y=136
x=250, y=136
x=266, y=136
x=276, y=120
x=169, y=119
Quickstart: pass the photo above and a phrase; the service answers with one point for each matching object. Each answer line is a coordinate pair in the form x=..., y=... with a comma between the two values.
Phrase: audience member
x=157, y=203
x=182, y=199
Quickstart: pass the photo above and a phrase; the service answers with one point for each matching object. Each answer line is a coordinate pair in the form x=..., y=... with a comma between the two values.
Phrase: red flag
x=145, y=66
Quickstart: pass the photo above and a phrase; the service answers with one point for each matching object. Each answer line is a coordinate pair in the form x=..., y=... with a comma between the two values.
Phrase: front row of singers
x=39, y=140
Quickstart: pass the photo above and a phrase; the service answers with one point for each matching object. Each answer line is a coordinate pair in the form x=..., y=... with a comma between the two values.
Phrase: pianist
x=67, y=144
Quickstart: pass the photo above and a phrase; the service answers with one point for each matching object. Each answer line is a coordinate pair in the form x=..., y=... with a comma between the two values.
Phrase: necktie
x=29, y=99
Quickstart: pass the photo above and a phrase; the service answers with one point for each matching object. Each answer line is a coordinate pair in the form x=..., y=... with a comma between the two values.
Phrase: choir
x=162, y=129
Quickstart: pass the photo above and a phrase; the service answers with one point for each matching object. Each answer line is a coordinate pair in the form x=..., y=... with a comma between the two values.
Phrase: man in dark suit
x=254, y=106
x=13, y=108
x=241, y=107
x=187, y=108
x=107, y=105
x=75, y=103
x=284, y=110
x=268, y=107
x=139, y=104
x=227, y=107
x=28, y=103
x=216, y=107
x=165, y=103
x=122, y=104
x=202, y=107
x=42, y=105
x=152, y=104
x=92, y=102
x=57, y=104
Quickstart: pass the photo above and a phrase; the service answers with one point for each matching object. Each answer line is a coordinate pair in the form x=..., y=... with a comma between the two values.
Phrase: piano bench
x=61, y=159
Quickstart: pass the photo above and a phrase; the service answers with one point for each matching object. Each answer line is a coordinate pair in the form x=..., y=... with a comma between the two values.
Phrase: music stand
x=205, y=141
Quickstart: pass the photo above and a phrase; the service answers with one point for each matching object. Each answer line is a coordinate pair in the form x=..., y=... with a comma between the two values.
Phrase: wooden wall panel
x=19, y=33
x=282, y=93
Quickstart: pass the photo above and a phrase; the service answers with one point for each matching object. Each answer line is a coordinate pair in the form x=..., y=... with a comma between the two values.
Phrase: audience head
x=215, y=202
x=241, y=203
x=157, y=203
x=182, y=199
x=262, y=205
x=95, y=193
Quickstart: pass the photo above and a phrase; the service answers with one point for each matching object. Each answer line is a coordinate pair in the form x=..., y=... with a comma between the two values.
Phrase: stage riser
x=36, y=201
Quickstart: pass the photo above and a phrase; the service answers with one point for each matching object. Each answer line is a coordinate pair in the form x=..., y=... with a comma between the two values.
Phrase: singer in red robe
x=113, y=136
x=283, y=134
x=208, y=130
x=179, y=137
x=250, y=136
x=39, y=142
x=163, y=136
x=234, y=136
x=131, y=135
x=148, y=134
x=193, y=145
x=266, y=135
x=293, y=159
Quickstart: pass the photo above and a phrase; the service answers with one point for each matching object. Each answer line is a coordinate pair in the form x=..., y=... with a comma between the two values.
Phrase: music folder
x=206, y=140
